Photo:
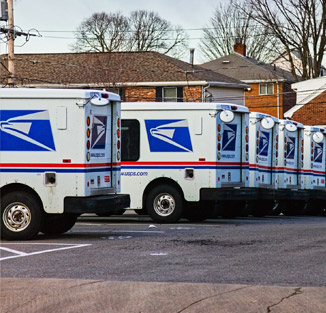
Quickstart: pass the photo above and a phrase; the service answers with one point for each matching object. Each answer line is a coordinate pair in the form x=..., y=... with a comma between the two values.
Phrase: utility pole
x=11, y=38
x=7, y=15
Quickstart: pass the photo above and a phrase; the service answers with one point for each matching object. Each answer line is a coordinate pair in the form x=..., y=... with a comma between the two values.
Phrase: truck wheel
x=164, y=204
x=21, y=216
x=56, y=224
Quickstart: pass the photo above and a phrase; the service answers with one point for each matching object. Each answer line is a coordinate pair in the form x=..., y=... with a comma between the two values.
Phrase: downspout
x=204, y=92
x=278, y=100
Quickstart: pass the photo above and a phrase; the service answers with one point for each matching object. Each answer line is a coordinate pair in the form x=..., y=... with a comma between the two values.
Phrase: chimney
x=240, y=47
x=192, y=53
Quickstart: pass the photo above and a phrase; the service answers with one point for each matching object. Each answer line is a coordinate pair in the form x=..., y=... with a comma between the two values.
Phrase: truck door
x=229, y=147
x=291, y=155
x=318, y=157
x=99, y=145
x=265, y=150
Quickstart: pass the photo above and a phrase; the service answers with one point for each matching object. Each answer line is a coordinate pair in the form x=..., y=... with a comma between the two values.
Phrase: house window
x=266, y=89
x=169, y=94
x=130, y=133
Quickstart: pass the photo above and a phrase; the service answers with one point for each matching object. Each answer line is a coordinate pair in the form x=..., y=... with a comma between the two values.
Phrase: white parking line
x=19, y=254
x=158, y=254
x=12, y=251
x=122, y=231
x=139, y=231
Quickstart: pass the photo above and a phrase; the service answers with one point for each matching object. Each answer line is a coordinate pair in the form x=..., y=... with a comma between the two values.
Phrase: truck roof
x=284, y=122
x=259, y=115
x=177, y=106
x=34, y=93
x=313, y=128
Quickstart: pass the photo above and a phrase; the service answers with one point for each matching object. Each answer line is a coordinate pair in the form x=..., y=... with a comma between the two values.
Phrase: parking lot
x=273, y=251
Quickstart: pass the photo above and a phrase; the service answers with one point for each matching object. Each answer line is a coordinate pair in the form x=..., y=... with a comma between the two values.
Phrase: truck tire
x=21, y=216
x=56, y=224
x=164, y=204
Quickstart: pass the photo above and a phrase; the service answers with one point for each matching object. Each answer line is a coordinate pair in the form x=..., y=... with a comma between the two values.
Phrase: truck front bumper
x=96, y=204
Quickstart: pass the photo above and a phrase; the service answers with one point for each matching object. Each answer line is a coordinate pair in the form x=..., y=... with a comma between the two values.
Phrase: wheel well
x=20, y=187
x=161, y=181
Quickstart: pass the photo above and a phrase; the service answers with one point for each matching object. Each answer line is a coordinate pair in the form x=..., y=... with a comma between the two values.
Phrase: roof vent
x=226, y=62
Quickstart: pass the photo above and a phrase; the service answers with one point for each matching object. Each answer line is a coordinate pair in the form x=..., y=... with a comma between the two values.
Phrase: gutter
x=143, y=84
x=258, y=81
x=229, y=85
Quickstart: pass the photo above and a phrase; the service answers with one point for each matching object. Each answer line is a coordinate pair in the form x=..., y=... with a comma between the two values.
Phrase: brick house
x=136, y=76
x=311, y=102
x=270, y=87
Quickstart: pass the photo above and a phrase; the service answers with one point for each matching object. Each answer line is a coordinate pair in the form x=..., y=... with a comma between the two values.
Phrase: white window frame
x=266, y=89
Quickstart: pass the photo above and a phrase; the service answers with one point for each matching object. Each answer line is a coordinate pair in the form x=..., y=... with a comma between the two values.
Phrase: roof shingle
x=106, y=68
x=247, y=69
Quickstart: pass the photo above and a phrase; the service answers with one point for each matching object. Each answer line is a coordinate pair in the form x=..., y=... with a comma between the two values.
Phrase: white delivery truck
x=59, y=158
x=313, y=168
x=313, y=156
x=178, y=156
x=292, y=198
x=263, y=159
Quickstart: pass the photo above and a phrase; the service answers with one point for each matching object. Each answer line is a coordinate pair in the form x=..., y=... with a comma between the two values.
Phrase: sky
x=56, y=20
x=59, y=18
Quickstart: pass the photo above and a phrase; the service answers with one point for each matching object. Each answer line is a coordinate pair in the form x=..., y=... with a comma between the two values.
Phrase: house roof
x=306, y=91
x=108, y=68
x=247, y=69
x=284, y=56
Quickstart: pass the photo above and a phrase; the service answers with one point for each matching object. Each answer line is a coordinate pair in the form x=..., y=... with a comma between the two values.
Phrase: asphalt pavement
x=126, y=264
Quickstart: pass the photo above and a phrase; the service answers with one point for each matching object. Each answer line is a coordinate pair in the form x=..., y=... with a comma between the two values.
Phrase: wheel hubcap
x=16, y=217
x=164, y=204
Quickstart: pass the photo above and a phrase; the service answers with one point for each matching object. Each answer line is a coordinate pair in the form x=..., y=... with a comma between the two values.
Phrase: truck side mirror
x=227, y=116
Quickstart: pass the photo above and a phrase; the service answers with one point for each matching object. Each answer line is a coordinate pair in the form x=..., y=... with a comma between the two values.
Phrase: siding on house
x=227, y=95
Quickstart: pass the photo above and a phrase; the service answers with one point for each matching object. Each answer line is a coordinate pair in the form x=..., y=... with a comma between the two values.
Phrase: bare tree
x=102, y=33
x=152, y=33
x=142, y=31
x=230, y=22
x=300, y=25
